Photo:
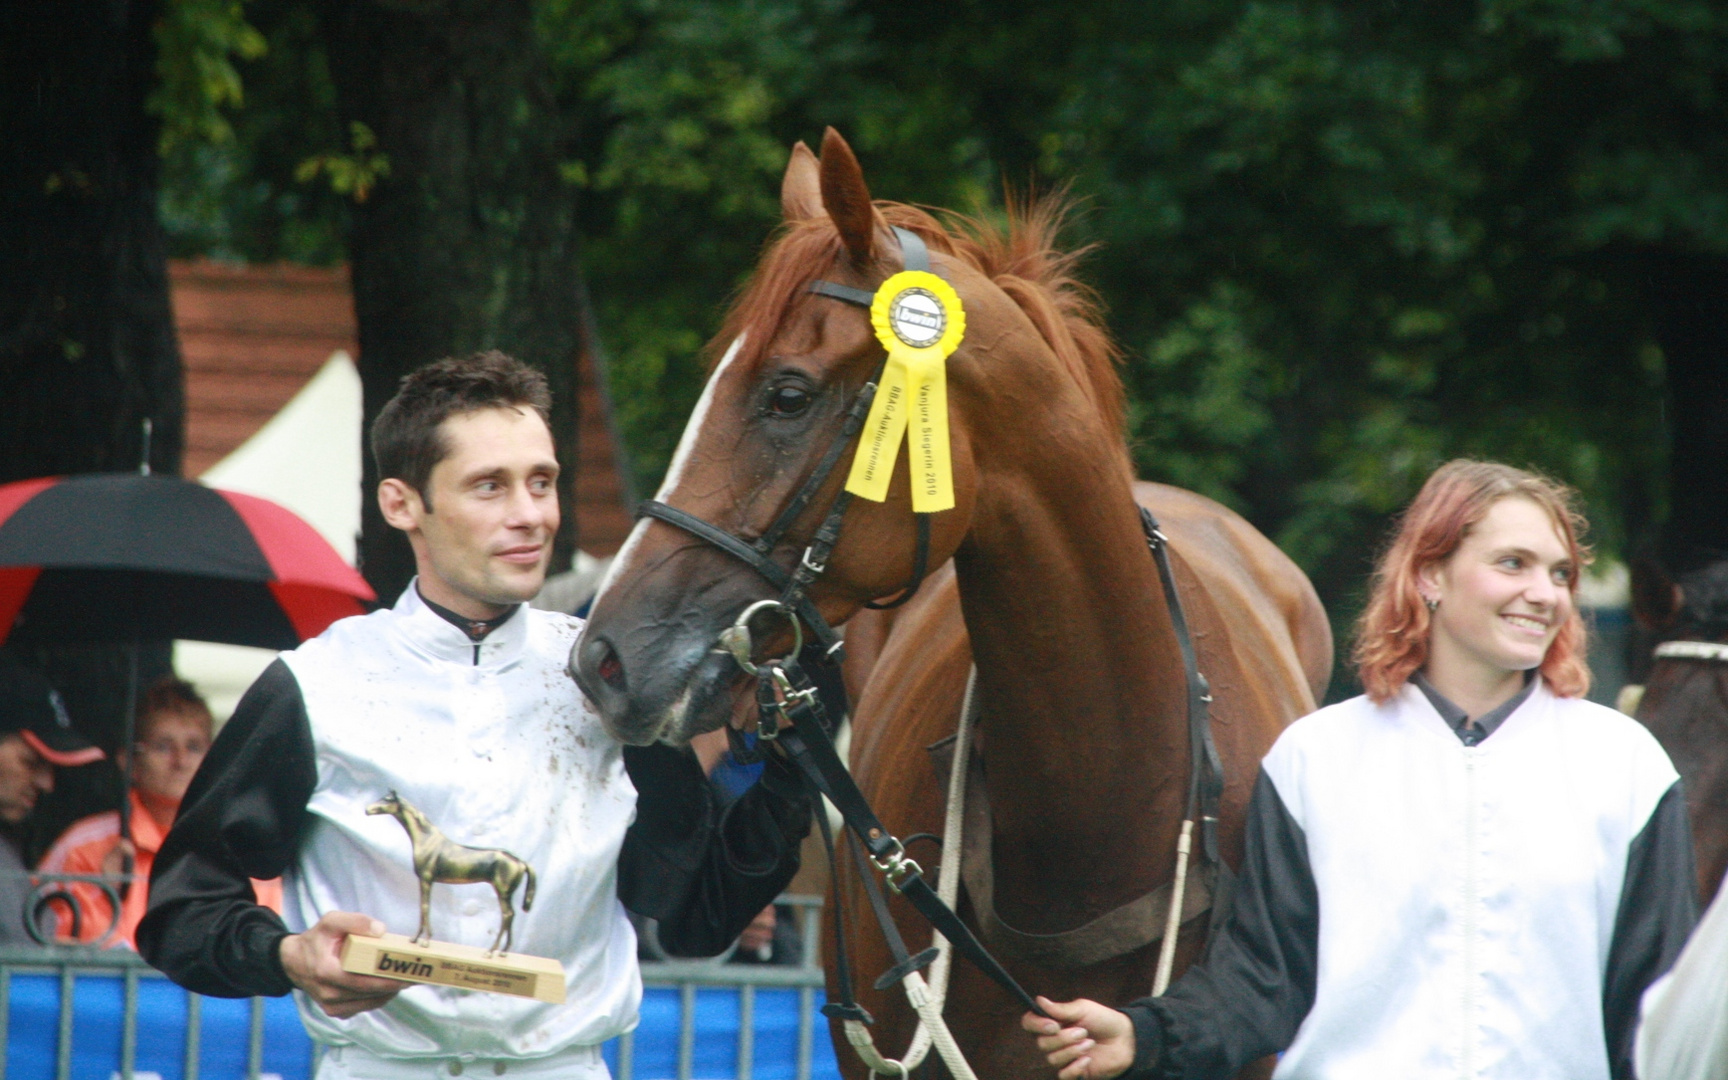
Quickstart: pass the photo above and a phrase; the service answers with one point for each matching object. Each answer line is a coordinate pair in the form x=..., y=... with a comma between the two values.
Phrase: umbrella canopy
x=123, y=557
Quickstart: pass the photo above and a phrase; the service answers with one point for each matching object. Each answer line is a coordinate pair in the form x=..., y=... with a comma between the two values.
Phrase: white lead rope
x=928, y=999
x=1173, y=923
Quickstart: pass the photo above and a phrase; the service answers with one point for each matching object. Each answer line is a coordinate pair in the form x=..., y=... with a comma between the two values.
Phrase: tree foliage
x=1340, y=241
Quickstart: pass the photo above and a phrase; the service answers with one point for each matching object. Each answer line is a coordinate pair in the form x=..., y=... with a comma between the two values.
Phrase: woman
x=1469, y=870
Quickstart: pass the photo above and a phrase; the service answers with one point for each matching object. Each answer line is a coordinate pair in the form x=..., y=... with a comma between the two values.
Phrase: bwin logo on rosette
x=918, y=318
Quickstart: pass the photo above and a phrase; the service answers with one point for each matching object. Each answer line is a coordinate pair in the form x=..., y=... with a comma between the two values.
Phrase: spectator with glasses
x=174, y=732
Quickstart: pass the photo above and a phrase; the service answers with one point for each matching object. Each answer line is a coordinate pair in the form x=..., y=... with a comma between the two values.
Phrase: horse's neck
x=1085, y=733
x=421, y=831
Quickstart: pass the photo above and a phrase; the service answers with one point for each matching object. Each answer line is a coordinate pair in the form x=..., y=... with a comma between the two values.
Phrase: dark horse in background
x=1685, y=702
x=1052, y=591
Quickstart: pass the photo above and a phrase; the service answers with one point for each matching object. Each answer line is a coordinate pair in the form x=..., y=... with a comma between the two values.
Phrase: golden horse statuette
x=420, y=959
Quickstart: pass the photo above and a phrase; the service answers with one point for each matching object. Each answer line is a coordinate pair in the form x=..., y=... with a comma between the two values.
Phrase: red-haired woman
x=1467, y=871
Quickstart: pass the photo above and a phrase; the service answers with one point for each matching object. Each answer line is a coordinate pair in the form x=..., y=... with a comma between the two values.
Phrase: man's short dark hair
x=406, y=444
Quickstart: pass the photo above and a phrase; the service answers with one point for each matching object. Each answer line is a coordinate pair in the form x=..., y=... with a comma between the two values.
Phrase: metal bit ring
x=737, y=639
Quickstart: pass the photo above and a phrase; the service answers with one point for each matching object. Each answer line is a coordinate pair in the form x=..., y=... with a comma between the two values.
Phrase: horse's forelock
x=1020, y=256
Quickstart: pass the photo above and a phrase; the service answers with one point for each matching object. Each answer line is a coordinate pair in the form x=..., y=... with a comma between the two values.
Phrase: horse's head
x=389, y=804
x=794, y=363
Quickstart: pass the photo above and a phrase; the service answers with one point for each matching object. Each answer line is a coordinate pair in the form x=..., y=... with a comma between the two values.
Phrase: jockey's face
x=484, y=543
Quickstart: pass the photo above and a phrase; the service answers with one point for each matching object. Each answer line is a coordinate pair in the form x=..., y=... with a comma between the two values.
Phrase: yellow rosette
x=919, y=320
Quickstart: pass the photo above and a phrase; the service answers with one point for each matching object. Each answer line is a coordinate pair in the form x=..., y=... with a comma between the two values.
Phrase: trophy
x=419, y=958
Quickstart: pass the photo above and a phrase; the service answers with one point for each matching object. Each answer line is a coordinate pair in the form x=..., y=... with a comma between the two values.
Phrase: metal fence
x=71, y=1012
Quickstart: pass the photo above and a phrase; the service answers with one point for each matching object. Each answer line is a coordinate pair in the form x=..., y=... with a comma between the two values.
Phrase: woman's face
x=1504, y=594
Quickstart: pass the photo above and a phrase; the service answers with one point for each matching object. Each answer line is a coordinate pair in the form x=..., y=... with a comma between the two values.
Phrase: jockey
x=458, y=699
x=1467, y=871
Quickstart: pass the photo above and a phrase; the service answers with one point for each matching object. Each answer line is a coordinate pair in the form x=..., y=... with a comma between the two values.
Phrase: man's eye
x=788, y=400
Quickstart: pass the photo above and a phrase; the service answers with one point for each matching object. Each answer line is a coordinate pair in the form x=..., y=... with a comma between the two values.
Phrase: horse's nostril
x=611, y=669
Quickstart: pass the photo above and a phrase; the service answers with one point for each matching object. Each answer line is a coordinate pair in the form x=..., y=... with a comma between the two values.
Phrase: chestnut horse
x=1083, y=732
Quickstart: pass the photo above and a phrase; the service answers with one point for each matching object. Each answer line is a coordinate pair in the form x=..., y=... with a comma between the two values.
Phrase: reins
x=805, y=688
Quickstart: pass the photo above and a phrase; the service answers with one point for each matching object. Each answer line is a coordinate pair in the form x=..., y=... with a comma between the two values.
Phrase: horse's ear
x=847, y=199
x=1656, y=599
x=801, y=188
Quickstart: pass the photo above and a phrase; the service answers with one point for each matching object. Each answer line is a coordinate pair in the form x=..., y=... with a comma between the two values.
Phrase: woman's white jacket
x=1409, y=906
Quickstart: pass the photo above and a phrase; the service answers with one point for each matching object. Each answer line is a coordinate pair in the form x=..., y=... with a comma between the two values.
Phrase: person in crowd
x=173, y=732
x=458, y=700
x=36, y=735
x=1467, y=871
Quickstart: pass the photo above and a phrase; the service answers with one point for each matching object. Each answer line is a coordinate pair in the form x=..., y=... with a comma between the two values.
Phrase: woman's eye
x=788, y=401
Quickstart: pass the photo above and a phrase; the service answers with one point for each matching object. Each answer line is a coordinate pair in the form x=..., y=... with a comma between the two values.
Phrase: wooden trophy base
x=445, y=964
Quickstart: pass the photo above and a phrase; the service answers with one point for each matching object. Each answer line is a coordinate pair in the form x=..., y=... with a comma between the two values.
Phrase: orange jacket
x=81, y=849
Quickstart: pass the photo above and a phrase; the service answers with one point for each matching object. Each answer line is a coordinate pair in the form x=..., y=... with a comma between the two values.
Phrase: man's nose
x=526, y=511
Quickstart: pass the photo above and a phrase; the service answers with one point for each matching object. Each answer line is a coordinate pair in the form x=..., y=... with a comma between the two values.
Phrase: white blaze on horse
x=1083, y=738
x=438, y=859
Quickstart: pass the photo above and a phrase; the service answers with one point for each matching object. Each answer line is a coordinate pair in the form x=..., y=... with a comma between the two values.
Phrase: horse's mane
x=1021, y=259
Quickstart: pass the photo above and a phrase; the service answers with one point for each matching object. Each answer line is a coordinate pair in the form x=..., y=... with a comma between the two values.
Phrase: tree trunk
x=87, y=346
x=1689, y=295
x=469, y=242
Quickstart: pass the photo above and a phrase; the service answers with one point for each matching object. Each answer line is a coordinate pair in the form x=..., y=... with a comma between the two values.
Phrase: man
x=173, y=729
x=456, y=699
x=35, y=736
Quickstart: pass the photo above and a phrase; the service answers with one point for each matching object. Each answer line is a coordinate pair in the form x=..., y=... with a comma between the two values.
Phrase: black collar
x=1484, y=725
x=476, y=629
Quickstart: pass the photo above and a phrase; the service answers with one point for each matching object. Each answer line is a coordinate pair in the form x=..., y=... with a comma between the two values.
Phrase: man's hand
x=313, y=961
x=1092, y=1042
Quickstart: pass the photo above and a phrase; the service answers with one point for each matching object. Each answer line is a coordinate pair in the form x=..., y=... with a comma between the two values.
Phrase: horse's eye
x=788, y=400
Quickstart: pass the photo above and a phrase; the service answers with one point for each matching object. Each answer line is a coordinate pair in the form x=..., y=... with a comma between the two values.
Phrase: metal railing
x=82, y=987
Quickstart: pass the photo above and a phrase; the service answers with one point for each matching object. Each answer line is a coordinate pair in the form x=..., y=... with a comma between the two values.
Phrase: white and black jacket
x=1410, y=906
x=497, y=746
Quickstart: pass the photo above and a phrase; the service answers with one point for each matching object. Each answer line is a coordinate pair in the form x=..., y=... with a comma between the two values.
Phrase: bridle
x=794, y=584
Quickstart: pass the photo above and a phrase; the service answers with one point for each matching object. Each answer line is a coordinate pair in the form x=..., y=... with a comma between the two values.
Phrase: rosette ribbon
x=918, y=318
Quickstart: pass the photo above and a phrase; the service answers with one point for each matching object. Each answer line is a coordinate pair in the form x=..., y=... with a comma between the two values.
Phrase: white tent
x=306, y=458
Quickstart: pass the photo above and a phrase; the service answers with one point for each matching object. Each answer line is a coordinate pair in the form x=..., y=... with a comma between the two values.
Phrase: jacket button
x=498, y=1068
x=455, y=1068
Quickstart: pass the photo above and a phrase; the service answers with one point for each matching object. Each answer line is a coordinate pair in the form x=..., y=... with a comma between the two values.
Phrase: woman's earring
x=1432, y=602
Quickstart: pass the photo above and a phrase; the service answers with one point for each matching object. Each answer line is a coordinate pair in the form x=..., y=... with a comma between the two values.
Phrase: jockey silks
x=494, y=743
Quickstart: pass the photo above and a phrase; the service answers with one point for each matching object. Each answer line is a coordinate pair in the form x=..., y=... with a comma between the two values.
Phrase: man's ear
x=400, y=504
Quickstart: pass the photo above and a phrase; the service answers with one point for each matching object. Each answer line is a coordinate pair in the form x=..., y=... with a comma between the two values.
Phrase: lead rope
x=931, y=1026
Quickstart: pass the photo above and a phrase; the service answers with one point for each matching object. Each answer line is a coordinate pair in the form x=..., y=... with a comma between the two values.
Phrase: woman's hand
x=1092, y=1042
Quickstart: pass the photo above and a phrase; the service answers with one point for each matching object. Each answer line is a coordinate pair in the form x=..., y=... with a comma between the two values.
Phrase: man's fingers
x=350, y=922
x=1039, y=1025
x=1067, y=1055
x=1062, y=1040
x=1080, y=1070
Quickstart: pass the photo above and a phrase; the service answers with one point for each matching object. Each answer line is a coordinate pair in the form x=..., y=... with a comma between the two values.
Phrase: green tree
x=1341, y=242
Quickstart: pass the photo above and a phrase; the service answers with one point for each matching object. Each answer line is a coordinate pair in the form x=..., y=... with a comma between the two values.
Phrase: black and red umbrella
x=123, y=557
